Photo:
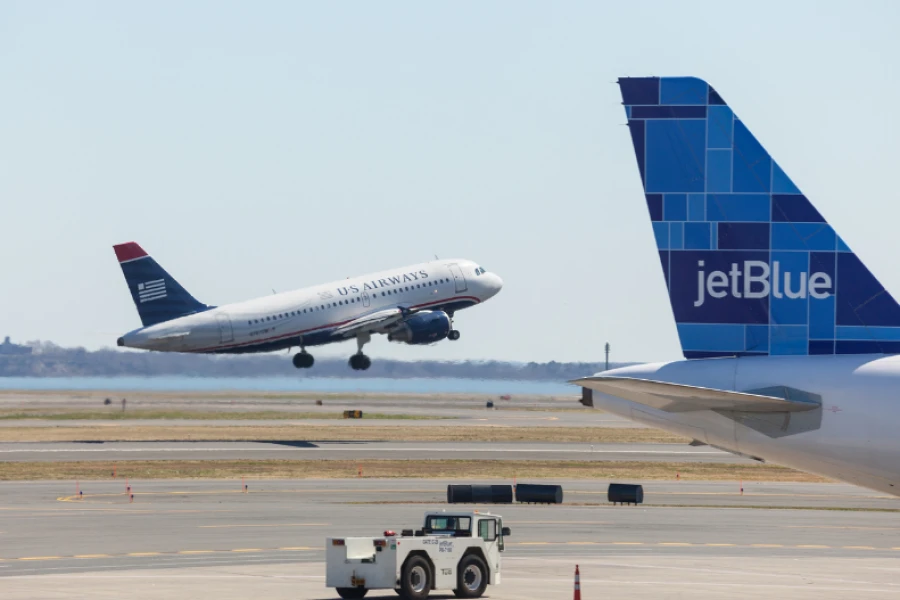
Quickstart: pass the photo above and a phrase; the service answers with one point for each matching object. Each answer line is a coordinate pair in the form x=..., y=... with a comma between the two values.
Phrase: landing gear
x=359, y=361
x=454, y=333
x=303, y=360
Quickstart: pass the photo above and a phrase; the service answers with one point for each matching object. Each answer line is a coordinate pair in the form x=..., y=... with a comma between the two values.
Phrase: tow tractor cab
x=457, y=551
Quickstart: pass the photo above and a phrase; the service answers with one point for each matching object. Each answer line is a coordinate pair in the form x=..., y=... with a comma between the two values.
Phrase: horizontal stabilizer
x=675, y=397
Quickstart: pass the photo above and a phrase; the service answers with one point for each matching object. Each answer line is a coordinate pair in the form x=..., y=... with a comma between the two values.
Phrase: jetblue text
x=756, y=280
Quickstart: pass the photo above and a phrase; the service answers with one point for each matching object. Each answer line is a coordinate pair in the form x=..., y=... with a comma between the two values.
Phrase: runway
x=120, y=451
x=208, y=538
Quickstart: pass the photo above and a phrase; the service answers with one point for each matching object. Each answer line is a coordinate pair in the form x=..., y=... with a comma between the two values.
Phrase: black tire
x=471, y=577
x=303, y=360
x=416, y=579
x=351, y=593
x=365, y=363
x=453, y=335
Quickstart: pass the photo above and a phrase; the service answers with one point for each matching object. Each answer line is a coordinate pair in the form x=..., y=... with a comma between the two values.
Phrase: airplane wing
x=675, y=397
x=372, y=322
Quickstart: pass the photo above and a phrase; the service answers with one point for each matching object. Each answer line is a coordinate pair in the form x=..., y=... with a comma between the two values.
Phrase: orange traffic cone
x=577, y=584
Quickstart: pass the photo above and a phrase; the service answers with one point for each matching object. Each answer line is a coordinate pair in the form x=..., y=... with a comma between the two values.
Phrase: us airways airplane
x=411, y=305
x=791, y=342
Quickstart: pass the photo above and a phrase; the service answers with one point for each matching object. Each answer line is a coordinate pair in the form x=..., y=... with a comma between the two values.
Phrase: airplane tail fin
x=156, y=294
x=751, y=267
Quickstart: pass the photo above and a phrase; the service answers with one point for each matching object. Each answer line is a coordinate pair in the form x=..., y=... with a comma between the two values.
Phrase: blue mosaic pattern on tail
x=751, y=266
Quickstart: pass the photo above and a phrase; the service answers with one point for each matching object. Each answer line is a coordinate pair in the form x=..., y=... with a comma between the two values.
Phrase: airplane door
x=365, y=299
x=226, y=332
x=458, y=278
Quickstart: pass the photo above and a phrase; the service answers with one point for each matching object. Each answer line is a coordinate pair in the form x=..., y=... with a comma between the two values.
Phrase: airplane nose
x=493, y=283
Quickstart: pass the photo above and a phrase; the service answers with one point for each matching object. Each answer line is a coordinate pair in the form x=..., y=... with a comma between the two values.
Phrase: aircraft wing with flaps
x=371, y=322
x=676, y=397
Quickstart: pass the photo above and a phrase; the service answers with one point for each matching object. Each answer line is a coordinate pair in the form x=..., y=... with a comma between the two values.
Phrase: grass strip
x=140, y=414
x=419, y=469
x=324, y=433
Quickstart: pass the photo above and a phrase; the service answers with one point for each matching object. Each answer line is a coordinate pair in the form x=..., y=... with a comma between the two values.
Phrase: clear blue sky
x=251, y=146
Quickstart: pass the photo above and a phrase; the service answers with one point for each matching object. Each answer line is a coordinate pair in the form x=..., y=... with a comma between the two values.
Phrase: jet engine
x=424, y=327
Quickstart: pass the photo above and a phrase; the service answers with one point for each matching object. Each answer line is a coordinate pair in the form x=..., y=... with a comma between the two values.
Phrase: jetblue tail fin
x=751, y=266
x=157, y=296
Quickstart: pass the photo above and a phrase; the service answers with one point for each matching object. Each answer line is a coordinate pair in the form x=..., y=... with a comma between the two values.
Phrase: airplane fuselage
x=310, y=316
x=853, y=437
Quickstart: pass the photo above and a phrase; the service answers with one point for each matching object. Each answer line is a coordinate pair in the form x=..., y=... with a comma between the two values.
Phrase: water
x=287, y=384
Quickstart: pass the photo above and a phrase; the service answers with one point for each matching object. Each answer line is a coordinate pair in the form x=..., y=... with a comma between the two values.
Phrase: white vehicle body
x=371, y=563
x=791, y=341
x=413, y=305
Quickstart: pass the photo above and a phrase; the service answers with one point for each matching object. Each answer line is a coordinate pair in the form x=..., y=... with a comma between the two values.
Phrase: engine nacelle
x=424, y=327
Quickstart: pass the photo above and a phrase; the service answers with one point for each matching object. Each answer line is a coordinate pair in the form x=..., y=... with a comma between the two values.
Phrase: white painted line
x=360, y=448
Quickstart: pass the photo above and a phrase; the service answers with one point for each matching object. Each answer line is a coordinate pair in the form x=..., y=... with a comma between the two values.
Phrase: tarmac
x=302, y=450
x=211, y=539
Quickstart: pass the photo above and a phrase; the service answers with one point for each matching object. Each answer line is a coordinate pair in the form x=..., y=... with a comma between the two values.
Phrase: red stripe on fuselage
x=338, y=324
x=128, y=251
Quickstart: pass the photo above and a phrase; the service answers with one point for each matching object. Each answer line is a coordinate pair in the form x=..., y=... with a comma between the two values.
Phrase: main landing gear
x=304, y=360
x=359, y=361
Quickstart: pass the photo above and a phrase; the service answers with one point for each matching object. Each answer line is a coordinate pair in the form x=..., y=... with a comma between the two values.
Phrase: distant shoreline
x=52, y=363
